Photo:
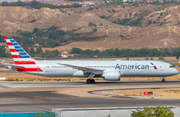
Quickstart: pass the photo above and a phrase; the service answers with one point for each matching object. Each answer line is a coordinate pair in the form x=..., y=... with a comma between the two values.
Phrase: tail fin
x=20, y=56
x=2, y=61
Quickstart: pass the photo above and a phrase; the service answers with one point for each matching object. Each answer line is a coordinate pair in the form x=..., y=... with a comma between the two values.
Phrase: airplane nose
x=176, y=71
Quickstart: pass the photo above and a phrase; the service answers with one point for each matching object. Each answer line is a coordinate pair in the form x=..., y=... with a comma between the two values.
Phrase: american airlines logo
x=153, y=65
x=135, y=66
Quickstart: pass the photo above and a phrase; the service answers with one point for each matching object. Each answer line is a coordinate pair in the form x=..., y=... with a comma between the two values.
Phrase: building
x=66, y=54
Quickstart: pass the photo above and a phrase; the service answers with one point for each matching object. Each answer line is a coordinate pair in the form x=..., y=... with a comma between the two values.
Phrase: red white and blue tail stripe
x=21, y=57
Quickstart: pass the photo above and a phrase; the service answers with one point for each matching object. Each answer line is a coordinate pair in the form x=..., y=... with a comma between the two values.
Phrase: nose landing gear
x=164, y=79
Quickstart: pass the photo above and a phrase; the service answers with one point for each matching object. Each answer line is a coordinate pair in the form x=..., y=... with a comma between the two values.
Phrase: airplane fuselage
x=126, y=68
x=109, y=70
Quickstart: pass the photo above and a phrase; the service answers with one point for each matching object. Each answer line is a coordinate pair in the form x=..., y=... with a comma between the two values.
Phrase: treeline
x=144, y=52
x=140, y=3
x=52, y=37
x=38, y=5
x=39, y=53
x=49, y=37
x=164, y=2
x=3, y=52
x=129, y=22
x=2, y=38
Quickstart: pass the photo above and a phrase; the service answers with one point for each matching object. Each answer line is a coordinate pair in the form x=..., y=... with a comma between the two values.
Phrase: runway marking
x=45, y=98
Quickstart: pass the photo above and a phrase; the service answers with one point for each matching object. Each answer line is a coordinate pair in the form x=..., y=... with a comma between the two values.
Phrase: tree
x=25, y=33
x=151, y=58
x=158, y=111
x=127, y=58
x=46, y=114
x=31, y=51
x=91, y=24
x=1, y=39
x=3, y=52
x=164, y=2
x=94, y=29
x=75, y=51
x=147, y=58
x=177, y=56
x=35, y=30
x=38, y=50
x=161, y=57
x=90, y=9
x=94, y=25
x=149, y=22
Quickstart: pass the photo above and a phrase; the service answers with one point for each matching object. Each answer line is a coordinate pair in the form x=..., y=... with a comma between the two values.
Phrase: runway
x=22, y=84
x=17, y=96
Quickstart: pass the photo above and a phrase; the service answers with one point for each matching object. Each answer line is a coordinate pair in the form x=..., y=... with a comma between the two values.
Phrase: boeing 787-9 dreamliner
x=109, y=70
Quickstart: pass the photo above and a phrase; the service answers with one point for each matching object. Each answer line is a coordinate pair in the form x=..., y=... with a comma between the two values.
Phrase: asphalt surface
x=21, y=84
x=47, y=100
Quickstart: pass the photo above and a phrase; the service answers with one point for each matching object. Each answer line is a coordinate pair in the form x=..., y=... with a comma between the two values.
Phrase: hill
x=152, y=26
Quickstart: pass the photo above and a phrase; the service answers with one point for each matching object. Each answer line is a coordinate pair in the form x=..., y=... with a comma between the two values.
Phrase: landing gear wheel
x=92, y=81
x=163, y=80
x=88, y=81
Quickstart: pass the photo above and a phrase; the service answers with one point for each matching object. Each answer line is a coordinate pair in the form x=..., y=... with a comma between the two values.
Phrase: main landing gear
x=164, y=79
x=90, y=80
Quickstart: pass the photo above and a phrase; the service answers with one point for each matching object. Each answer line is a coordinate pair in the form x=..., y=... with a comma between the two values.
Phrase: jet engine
x=111, y=75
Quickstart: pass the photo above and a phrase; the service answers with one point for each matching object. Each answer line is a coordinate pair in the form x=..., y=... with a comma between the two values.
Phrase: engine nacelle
x=111, y=75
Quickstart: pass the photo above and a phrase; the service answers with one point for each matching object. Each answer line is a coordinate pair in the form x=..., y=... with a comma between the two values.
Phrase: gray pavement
x=46, y=100
x=23, y=84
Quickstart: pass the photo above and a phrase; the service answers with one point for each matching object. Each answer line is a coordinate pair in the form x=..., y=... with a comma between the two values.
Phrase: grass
x=13, y=80
x=173, y=91
x=29, y=77
x=162, y=93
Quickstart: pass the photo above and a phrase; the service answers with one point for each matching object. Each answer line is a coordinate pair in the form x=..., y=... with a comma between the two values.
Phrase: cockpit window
x=171, y=66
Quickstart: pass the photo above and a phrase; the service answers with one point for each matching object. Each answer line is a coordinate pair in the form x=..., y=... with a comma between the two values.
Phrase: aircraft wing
x=84, y=69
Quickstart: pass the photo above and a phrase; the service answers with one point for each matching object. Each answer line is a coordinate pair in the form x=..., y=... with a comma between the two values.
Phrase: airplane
x=110, y=70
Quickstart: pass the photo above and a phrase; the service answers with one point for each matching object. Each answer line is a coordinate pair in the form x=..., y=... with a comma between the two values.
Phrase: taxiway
x=15, y=96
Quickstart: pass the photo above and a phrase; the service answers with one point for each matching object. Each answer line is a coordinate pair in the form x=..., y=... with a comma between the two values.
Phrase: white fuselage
x=126, y=68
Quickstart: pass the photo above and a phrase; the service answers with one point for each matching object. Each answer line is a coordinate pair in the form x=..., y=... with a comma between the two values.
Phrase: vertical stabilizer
x=20, y=56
